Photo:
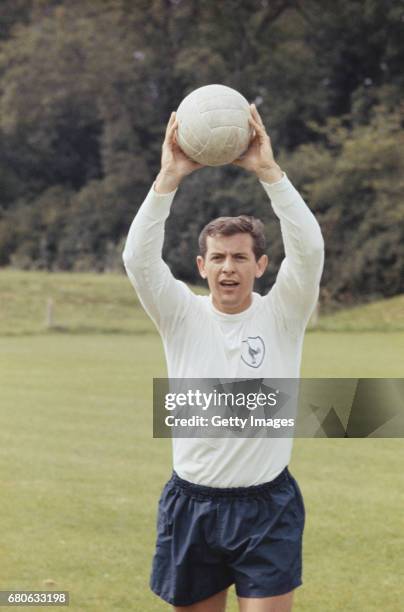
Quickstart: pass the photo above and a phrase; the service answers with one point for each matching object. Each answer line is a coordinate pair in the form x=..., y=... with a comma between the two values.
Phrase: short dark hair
x=228, y=226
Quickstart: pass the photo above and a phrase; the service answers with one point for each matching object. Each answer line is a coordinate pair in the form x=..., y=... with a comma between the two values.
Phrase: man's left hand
x=259, y=157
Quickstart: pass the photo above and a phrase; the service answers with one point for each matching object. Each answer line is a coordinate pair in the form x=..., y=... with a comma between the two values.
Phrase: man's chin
x=227, y=299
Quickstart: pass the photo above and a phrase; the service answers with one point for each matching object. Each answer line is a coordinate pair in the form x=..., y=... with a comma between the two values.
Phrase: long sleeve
x=296, y=289
x=164, y=298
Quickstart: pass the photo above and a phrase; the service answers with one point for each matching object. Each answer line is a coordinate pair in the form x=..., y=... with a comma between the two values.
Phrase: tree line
x=86, y=90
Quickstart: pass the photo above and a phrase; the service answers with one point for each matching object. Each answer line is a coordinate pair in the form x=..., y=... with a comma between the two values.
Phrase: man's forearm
x=166, y=182
x=160, y=294
x=146, y=234
x=300, y=230
x=270, y=174
x=297, y=284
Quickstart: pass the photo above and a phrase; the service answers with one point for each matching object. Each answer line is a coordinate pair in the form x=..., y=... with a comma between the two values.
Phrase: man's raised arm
x=296, y=289
x=163, y=297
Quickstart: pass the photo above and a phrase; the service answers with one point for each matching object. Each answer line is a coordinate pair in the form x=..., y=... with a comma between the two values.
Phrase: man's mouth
x=228, y=283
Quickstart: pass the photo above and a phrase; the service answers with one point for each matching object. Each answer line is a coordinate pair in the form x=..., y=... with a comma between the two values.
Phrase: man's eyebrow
x=221, y=253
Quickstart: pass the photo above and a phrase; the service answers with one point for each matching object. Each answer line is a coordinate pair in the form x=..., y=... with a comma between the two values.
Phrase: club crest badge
x=253, y=351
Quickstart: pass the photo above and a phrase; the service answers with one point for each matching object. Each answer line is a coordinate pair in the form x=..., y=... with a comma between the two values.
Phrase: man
x=232, y=512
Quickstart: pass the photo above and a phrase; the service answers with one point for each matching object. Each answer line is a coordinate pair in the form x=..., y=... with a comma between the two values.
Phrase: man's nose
x=228, y=264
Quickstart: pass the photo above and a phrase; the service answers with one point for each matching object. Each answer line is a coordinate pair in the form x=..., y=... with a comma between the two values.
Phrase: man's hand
x=259, y=157
x=175, y=165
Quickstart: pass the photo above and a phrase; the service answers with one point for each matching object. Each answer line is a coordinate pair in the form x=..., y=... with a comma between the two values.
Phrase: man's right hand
x=175, y=165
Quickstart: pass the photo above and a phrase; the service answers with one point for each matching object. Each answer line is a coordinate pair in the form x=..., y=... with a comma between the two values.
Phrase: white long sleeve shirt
x=202, y=342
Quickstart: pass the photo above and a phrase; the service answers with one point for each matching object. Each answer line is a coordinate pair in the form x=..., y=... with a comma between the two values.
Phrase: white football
x=213, y=126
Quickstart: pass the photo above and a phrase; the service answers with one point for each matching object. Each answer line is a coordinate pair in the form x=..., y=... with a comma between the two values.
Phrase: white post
x=49, y=313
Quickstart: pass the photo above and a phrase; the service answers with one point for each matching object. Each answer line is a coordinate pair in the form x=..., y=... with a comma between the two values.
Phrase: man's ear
x=201, y=266
x=261, y=266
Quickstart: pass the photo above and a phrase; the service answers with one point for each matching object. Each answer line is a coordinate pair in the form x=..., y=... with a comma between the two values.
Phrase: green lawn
x=106, y=303
x=382, y=315
x=80, y=474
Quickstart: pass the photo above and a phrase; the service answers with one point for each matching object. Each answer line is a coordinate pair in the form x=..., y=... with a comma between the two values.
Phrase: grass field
x=106, y=303
x=80, y=474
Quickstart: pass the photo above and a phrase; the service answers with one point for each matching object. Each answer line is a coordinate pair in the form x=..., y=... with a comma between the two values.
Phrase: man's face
x=230, y=268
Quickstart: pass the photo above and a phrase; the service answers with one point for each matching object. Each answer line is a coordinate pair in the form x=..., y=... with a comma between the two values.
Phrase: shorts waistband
x=202, y=491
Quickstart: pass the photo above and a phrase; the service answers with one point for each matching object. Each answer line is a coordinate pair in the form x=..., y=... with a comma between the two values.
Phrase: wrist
x=270, y=174
x=166, y=182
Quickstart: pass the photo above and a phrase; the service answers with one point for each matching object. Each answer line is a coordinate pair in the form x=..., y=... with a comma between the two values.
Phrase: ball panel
x=221, y=102
x=196, y=155
x=192, y=129
x=226, y=118
x=190, y=137
x=225, y=146
x=215, y=90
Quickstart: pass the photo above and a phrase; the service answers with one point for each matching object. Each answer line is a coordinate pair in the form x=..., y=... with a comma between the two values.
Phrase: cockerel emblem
x=253, y=351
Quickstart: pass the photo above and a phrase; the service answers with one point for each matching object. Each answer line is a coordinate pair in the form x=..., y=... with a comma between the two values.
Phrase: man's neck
x=237, y=309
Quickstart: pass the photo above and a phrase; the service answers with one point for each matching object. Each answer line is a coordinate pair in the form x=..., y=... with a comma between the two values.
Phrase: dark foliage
x=86, y=90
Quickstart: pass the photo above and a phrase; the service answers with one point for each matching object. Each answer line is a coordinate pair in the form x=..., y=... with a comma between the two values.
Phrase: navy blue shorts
x=210, y=538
